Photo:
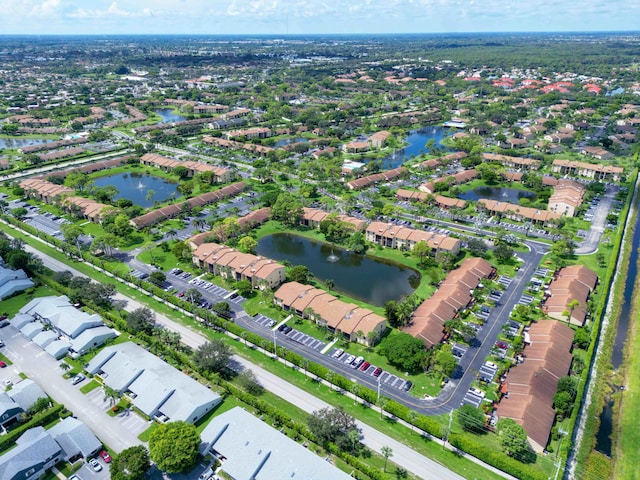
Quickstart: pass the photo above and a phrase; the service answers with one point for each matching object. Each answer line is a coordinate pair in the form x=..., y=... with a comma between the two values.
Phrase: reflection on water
x=369, y=279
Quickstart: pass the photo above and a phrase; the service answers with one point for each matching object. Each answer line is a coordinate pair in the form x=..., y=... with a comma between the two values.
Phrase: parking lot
x=133, y=422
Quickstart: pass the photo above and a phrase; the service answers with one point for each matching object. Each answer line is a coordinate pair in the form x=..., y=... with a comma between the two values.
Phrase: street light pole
x=446, y=437
x=275, y=346
x=379, y=387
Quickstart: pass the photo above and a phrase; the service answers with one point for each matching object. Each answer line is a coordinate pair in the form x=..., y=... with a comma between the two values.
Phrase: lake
x=417, y=140
x=501, y=194
x=18, y=142
x=371, y=280
x=168, y=116
x=136, y=187
x=289, y=141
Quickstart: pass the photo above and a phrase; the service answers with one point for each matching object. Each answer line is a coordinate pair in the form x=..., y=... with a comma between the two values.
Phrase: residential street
x=27, y=357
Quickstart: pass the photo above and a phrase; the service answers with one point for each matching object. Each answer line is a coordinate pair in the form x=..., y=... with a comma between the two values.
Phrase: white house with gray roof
x=13, y=281
x=58, y=327
x=37, y=449
x=155, y=387
x=250, y=449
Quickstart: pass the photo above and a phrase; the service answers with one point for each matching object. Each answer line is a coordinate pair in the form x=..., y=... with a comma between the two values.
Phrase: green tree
x=471, y=418
x=173, y=446
x=404, y=351
x=247, y=244
x=334, y=425
x=300, y=274
x=248, y=381
x=503, y=253
x=563, y=403
x=512, y=437
x=71, y=232
x=181, y=171
x=130, y=464
x=141, y=320
x=110, y=395
x=444, y=361
x=213, y=356
x=244, y=287
x=421, y=251
x=477, y=247
x=287, y=209
x=157, y=278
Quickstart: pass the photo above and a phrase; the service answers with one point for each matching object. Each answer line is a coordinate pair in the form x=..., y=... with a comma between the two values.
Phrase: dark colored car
x=377, y=372
x=407, y=386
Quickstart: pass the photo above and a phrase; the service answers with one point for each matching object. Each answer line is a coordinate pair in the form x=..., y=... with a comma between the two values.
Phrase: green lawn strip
x=10, y=306
x=144, y=436
x=5, y=360
x=92, y=385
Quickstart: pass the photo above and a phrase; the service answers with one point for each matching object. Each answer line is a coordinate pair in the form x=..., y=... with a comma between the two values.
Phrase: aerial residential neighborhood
x=316, y=255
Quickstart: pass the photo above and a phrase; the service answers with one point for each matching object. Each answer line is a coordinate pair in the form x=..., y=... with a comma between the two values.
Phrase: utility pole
x=275, y=346
x=379, y=388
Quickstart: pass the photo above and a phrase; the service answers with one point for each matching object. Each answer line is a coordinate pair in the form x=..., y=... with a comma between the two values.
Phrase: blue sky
x=313, y=16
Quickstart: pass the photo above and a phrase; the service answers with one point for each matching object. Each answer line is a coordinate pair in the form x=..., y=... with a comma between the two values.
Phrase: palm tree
x=386, y=453
x=172, y=233
x=110, y=395
x=65, y=366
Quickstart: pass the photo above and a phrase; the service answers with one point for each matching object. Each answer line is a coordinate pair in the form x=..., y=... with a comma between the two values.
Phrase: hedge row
x=496, y=458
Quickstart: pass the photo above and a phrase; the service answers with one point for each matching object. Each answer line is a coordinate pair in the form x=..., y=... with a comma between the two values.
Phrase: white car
x=95, y=465
x=477, y=392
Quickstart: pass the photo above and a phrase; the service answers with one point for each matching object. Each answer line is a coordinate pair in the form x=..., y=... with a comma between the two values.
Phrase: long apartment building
x=574, y=283
x=531, y=385
x=354, y=323
x=311, y=217
x=453, y=295
x=385, y=176
x=518, y=212
x=222, y=175
x=440, y=200
x=404, y=238
x=588, y=170
x=455, y=179
x=234, y=265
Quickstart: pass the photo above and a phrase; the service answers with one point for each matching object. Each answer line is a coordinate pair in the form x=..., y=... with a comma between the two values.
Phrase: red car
x=377, y=372
x=364, y=366
x=105, y=456
x=2, y=364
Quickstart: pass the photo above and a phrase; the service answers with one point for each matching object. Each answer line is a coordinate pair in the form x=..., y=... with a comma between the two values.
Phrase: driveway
x=45, y=371
x=598, y=223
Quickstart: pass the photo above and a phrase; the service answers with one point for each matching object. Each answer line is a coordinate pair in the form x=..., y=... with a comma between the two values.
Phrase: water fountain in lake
x=140, y=185
x=333, y=257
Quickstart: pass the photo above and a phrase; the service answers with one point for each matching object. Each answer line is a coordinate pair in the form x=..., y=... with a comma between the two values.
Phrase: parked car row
x=356, y=362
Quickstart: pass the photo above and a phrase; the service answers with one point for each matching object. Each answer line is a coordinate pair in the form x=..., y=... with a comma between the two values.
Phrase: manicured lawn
x=92, y=385
x=144, y=436
x=10, y=306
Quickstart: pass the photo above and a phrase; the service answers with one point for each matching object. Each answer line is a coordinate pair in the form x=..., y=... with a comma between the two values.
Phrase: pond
x=371, y=280
x=501, y=194
x=141, y=189
x=417, y=141
x=289, y=141
x=168, y=116
x=17, y=142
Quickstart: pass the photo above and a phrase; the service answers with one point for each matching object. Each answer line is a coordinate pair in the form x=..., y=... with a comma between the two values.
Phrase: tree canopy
x=130, y=464
x=173, y=446
x=404, y=351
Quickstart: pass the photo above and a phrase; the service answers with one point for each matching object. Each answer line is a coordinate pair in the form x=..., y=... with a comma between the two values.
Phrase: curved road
x=402, y=455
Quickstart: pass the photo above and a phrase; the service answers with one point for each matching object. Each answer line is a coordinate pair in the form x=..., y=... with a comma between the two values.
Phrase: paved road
x=598, y=223
x=45, y=371
x=402, y=455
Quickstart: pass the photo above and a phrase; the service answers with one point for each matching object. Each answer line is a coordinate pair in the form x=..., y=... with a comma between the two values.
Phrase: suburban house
x=37, y=449
x=234, y=265
x=455, y=179
x=440, y=200
x=311, y=217
x=567, y=294
x=354, y=323
x=222, y=175
x=249, y=448
x=385, y=176
x=588, y=170
x=453, y=295
x=405, y=238
x=530, y=386
x=154, y=387
x=378, y=139
x=597, y=152
x=19, y=399
x=13, y=281
x=59, y=328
